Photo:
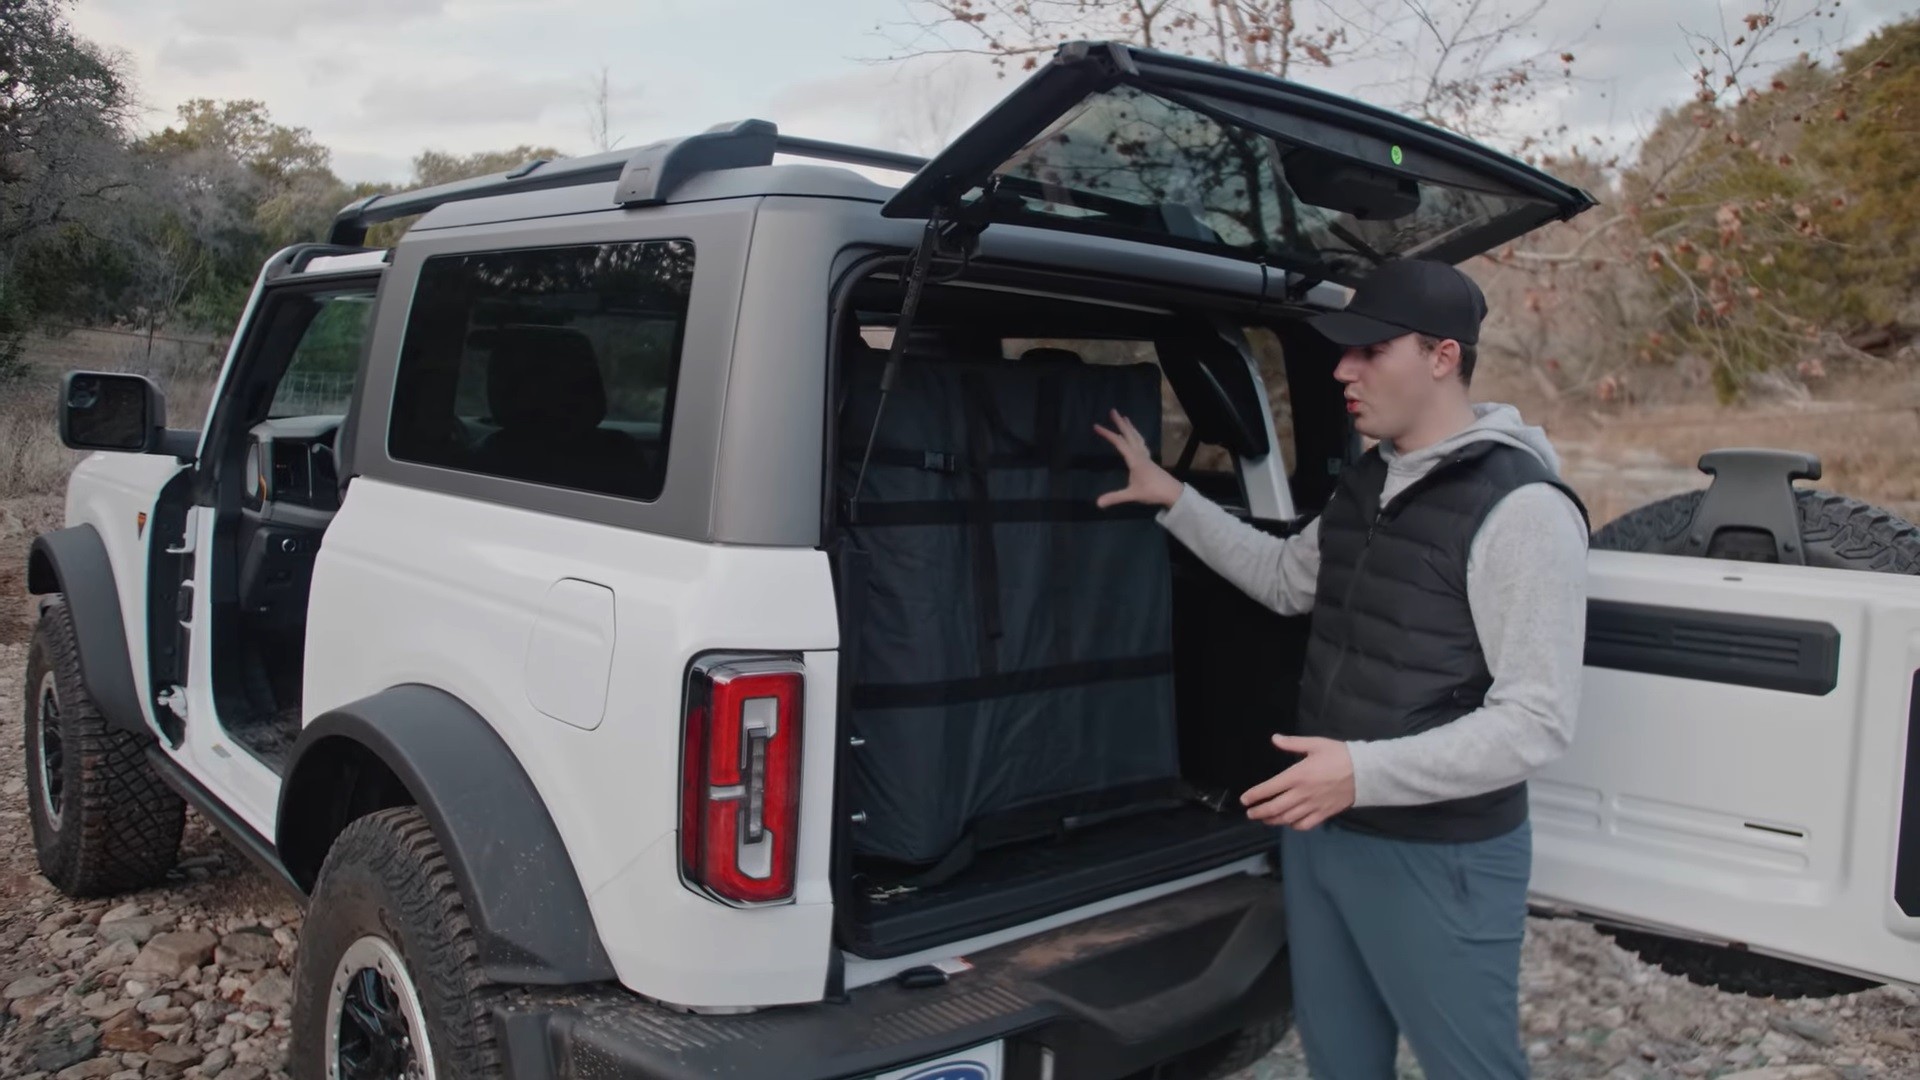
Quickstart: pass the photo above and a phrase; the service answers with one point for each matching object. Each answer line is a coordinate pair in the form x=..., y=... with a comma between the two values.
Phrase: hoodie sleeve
x=1527, y=587
x=1278, y=572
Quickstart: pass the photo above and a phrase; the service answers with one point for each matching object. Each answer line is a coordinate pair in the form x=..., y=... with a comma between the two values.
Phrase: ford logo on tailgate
x=953, y=1070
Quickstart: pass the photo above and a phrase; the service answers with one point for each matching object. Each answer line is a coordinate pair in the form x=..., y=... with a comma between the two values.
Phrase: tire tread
x=398, y=849
x=130, y=821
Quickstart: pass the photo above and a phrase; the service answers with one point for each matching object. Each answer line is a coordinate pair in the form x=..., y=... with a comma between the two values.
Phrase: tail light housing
x=740, y=779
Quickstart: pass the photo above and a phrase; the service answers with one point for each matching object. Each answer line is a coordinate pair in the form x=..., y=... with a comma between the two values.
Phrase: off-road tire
x=1734, y=970
x=1836, y=532
x=118, y=827
x=386, y=876
x=1225, y=1056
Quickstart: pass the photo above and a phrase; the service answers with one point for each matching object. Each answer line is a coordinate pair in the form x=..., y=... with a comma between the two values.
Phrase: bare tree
x=1462, y=64
x=927, y=107
x=600, y=111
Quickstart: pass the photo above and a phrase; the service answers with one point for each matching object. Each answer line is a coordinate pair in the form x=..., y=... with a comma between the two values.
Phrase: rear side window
x=553, y=366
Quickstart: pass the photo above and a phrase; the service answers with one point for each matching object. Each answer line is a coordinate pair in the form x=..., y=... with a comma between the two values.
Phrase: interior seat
x=547, y=396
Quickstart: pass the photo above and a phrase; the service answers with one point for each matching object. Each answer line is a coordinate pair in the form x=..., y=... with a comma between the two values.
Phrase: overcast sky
x=380, y=80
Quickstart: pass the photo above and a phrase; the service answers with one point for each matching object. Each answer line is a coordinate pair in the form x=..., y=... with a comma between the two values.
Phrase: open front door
x=1123, y=141
x=1741, y=767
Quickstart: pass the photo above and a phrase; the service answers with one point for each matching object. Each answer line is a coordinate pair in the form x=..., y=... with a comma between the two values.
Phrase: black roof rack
x=646, y=176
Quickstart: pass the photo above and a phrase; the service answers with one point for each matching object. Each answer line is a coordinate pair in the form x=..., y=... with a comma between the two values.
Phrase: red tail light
x=740, y=779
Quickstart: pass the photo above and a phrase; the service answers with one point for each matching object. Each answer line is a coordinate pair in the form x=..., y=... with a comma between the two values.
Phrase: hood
x=1492, y=421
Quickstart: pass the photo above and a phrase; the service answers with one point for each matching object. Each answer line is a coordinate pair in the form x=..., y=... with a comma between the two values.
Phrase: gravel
x=190, y=980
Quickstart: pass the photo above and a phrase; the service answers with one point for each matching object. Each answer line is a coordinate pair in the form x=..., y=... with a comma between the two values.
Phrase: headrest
x=545, y=377
x=1045, y=355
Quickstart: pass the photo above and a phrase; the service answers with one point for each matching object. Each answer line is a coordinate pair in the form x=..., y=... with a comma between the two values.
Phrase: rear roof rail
x=646, y=176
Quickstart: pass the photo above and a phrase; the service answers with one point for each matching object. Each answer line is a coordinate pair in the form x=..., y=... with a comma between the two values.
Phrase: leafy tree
x=64, y=107
x=230, y=186
x=1870, y=150
x=438, y=167
x=435, y=167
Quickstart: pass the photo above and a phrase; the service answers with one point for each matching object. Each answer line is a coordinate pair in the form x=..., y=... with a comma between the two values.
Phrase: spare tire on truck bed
x=1836, y=532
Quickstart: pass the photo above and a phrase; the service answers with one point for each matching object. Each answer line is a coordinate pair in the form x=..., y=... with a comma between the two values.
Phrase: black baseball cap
x=1403, y=296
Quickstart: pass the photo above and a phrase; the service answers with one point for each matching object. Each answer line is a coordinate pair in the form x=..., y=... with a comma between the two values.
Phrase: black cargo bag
x=1012, y=641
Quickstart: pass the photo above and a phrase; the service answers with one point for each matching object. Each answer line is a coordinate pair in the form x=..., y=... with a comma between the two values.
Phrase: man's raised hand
x=1147, y=482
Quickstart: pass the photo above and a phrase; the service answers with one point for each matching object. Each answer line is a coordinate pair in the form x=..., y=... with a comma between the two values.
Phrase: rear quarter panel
x=419, y=587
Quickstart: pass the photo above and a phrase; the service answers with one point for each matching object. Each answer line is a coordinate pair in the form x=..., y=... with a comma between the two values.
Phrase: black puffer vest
x=1393, y=650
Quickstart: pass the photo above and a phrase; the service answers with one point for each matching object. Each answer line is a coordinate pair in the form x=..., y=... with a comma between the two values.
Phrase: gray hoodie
x=1526, y=587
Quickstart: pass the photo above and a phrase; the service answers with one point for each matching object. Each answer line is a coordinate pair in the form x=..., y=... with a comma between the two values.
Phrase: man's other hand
x=1147, y=482
x=1307, y=792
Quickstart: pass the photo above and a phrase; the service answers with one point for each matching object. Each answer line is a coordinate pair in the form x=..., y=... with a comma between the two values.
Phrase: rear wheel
x=1735, y=971
x=103, y=821
x=388, y=982
x=1836, y=532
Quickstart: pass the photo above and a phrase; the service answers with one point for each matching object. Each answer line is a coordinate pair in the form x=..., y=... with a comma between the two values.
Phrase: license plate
x=978, y=1063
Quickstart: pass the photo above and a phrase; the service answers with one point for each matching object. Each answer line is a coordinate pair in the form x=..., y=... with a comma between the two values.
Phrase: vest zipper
x=1346, y=605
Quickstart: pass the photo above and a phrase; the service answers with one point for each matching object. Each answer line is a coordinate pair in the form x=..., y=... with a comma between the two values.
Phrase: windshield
x=1131, y=162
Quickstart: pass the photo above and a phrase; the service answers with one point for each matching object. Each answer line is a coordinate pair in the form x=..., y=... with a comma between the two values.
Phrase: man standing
x=1447, y=582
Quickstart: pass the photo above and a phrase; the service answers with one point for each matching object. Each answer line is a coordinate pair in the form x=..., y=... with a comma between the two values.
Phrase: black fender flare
x=73, y=562
x=530, y=917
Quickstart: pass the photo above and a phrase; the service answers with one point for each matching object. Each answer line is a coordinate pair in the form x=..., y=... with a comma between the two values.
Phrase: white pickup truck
x=497, y=607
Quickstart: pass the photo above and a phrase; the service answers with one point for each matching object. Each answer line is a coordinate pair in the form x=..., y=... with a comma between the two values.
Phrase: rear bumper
x=1105, y=997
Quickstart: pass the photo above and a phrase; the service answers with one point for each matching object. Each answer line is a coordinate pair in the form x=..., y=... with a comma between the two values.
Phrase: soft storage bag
x=1012, y=650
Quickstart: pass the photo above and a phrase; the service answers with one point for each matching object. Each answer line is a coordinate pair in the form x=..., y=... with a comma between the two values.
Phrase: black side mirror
x=102, y=410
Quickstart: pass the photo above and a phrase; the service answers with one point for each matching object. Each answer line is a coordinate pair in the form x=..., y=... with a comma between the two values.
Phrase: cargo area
x=1047, y=704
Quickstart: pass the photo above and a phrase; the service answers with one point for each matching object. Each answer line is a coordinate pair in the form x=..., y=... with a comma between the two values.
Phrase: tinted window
x=1133, y=163
x=554, y=366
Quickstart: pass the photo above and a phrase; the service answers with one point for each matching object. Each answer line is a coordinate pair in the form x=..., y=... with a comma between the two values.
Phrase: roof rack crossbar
x=848, y=155
x=646, y=175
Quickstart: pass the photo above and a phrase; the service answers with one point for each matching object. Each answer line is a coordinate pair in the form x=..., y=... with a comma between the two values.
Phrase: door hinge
x=174, y=700
x=187, y=531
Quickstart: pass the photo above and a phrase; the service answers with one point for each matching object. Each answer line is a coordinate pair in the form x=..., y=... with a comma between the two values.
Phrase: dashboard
x=292, y=462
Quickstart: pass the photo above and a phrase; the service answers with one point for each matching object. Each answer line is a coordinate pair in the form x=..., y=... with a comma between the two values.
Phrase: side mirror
x=101, y=410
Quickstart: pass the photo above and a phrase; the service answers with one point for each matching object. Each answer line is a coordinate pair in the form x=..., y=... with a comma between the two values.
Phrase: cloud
x=272, y=18
x=372, y=166
x=200, y=56
x=916, y=106
x=467, y=100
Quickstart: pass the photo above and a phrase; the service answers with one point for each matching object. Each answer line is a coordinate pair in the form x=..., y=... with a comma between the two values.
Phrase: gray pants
x=1392, y=937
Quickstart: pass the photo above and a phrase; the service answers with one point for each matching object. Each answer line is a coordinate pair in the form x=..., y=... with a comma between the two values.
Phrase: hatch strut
x=961, y=233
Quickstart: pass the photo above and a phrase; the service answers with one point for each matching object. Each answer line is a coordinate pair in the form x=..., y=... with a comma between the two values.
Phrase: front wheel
x=103, y=821
x=388, y=979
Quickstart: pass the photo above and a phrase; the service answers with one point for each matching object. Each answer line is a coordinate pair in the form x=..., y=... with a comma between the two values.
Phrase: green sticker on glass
x=1396, y=155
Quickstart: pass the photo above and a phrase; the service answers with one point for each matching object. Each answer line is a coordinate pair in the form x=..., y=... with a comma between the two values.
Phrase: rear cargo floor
x=1017, y=884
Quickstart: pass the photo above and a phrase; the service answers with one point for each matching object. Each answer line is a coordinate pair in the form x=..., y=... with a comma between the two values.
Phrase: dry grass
x=32, y=459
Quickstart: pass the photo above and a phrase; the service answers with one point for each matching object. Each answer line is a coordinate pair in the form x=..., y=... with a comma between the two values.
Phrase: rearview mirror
x=1336, y=184
x=102, y=410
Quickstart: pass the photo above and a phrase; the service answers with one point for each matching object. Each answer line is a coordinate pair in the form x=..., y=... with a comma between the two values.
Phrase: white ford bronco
x=501, y=607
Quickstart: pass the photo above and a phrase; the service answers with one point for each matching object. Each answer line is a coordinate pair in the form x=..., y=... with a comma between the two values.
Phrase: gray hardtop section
x=744, y=462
